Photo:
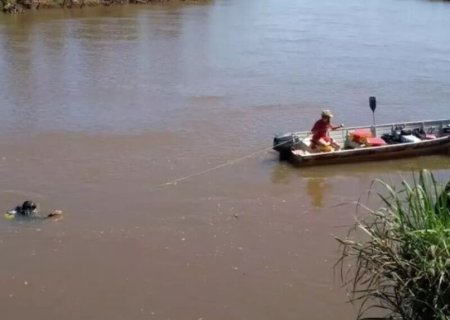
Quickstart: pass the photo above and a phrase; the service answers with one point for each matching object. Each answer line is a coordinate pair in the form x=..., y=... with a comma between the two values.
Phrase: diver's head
x=28, y=207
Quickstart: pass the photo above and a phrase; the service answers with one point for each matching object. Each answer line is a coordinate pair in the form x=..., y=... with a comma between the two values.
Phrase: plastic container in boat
x=361, y=135
x=375, y=142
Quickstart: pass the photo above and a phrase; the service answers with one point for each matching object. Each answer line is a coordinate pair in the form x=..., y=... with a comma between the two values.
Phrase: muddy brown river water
x=101, y=106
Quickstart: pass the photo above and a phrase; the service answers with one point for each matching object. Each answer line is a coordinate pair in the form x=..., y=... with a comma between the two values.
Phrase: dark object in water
x=28, y=208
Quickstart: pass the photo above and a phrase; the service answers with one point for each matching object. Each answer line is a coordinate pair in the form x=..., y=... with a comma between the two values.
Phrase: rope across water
x=219, y=166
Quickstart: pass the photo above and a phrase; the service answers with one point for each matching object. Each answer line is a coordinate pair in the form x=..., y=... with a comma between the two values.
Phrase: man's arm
x=338, y=127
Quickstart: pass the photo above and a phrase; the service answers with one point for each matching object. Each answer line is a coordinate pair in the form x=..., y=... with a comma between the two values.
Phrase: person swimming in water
x=29, y=209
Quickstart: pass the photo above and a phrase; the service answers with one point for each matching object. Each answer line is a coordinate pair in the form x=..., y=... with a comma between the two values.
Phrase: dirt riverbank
x=20, y=6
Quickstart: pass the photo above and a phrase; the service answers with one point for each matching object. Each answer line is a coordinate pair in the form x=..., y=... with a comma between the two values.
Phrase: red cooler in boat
x=361, y=135
x=375, y=142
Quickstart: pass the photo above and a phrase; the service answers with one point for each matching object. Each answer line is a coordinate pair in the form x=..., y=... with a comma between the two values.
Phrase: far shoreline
x=21, y=6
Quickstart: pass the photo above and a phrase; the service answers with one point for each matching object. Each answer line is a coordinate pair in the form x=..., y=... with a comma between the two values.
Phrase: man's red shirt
x=320, y=130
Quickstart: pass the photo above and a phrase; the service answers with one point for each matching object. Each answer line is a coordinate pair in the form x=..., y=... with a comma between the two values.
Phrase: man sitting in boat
x=321, y=141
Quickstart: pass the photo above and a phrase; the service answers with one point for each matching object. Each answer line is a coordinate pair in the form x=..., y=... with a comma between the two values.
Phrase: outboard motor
x=283, y=143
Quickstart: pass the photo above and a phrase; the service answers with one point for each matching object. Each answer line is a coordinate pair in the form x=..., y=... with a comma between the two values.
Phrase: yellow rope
x=224, y=164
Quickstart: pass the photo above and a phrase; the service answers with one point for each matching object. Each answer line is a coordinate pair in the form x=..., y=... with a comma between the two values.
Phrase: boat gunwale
x=381, y=125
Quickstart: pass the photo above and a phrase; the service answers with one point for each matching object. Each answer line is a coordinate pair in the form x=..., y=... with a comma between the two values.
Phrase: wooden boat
x=410, y=139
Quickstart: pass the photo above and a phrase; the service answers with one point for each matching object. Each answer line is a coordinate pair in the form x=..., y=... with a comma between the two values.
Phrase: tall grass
x=397, y=258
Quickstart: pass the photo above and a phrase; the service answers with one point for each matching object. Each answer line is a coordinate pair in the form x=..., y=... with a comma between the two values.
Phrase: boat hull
x=437, y=146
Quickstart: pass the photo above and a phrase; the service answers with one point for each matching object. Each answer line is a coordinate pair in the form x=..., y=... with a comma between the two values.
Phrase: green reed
x=397, y=258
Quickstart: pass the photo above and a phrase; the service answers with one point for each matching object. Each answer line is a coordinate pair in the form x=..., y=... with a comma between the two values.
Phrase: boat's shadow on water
x=433, y=163
x=321, y=181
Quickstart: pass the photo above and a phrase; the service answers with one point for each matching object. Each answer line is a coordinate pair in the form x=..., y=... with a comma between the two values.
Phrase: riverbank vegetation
x=18, y=6
x=396, y=260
